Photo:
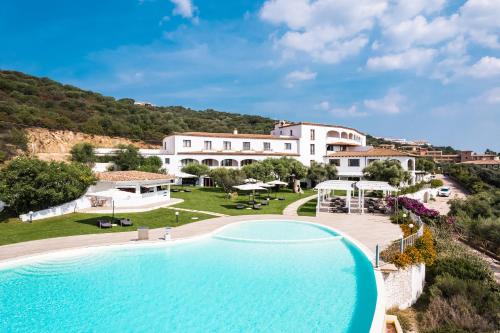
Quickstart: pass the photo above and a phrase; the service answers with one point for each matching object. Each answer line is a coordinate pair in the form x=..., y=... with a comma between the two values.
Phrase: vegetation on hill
x=40, y=102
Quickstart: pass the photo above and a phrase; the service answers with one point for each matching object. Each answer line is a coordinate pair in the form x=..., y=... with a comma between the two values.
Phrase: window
x=281, y=132
x=246, y=145
x=186, y=143
x=167, y=160
x=267, y=146
x=335, y=161
x=165, y=146
x=313, y=135
x=288, y=146
x=371, y=160
x=312, y=149
x=208, y=145
x=227, y=145
x=291, y=133
x=353, y=162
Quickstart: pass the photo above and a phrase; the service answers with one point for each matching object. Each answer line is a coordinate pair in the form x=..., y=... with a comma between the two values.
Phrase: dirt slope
x=55, y=145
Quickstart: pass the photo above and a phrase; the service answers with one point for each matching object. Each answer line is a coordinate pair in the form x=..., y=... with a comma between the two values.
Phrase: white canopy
x=251, y=180
x=375, y=186
x=181, y=174
x=261, y=184
x=335, y=185
x=249, y=187
x=277, y=182
x=113, y=194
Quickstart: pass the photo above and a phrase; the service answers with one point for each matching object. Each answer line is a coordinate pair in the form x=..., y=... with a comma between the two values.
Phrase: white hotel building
x=307, y=142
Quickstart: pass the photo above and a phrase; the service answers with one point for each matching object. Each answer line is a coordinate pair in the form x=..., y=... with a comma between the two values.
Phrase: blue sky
x=420, y=69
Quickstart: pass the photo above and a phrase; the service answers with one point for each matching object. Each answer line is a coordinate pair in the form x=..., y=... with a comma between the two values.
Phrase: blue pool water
x=208, y=285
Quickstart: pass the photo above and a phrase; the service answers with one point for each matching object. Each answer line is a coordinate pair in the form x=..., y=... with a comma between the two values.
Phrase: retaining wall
x=404, y=286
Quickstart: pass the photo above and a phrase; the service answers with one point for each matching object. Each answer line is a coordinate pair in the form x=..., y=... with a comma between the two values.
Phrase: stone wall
x=404, y=286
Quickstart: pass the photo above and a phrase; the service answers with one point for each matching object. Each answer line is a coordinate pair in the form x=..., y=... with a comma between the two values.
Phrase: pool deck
x=367, y=229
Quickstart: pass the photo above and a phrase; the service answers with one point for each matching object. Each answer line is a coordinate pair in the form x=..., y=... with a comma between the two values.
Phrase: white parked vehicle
x=444, y=192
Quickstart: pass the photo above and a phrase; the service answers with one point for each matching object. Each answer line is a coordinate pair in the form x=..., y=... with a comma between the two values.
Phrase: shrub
x=196, y=169
x=405, y=317
x=436, y=183
x=466, y=267
x=83, y=153
x=425, y=246
x=31, y=184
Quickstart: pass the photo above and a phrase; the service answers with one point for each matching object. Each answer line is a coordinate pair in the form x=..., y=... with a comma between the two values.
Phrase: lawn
x=214, y=200
x=12, y=230
x=308, y=209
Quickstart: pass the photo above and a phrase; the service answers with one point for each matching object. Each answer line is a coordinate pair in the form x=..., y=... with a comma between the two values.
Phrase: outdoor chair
x=257, y=206
x=104, y=224
x=125, y=222
x=240, y=206
x=187, y=190
x=265, y=203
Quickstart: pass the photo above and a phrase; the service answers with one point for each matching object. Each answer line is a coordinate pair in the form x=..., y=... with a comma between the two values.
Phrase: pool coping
x=378, y=321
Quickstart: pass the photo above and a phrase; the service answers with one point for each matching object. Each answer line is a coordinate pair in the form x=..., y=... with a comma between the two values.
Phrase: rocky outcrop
x=56, y=145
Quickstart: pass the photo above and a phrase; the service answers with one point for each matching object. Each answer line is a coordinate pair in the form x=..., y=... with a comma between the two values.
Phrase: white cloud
x=418, y=31
x=294, y=77
x=410, y=59
x=491, y=96
x=351, y=111
x=184, y=8
x=329, y=31
x=485, y=67
x=390, y=103
x=403, y=9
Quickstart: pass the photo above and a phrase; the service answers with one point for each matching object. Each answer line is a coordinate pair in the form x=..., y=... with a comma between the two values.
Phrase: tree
x=151, y=164
x=227, y=178
x=83, y=153
x=319, y=172
x=389, y=171
x=196, y=169
x=31, y=184
x=127, y=158
x=285, y=167
x=262, y=171
x=425, y=164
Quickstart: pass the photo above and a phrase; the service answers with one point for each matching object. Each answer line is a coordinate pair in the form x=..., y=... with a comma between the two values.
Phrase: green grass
x=12, y=230
x=214, y=200
x=308, y=209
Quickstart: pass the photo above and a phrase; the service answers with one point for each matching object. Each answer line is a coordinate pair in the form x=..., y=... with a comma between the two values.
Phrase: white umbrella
x=251, y=180
x=181, y=174
x=249, y=187
x=277, y=183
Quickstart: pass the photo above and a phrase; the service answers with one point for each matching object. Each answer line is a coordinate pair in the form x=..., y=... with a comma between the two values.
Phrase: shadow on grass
x=6, y=215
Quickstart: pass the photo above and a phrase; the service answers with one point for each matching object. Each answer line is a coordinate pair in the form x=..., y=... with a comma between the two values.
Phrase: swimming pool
x=257, y=276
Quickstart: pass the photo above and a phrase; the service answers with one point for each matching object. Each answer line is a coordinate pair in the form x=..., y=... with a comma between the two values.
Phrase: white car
x=444, y=192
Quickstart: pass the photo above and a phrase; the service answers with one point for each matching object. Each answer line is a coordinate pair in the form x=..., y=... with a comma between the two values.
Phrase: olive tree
x=28, y=184
x=389, y=171
x=227, y=178
x=319, y=172
x=196, y=169
x=83, y=153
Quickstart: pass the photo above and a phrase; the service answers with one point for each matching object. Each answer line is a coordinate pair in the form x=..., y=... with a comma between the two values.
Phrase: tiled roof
x=342, y=143
x=483, y=162
x=325, y=125
x=117, y=176
x=375, y=152
x=246, y=153
x=237, y=136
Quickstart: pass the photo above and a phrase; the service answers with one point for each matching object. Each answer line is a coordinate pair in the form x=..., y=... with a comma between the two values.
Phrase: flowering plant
x=412, y=205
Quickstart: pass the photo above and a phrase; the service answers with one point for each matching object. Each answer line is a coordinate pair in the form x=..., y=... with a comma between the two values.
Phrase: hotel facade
x=307, y=142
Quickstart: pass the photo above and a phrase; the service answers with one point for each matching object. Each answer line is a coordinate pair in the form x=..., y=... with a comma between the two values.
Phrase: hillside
x=28, y=101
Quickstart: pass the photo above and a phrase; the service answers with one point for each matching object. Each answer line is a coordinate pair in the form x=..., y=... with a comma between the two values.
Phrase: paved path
x=367, y=229
x=143, y=208
x=198, y=211
x=442, y=205
x=291, y=209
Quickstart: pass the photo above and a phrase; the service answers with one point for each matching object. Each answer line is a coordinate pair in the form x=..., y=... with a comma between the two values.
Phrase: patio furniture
x=257, y=206
x=104, y=224
x=124, y=222
x=174, y=190
x=143, y=233
x=281, y=198
x=265, y=203
x=240, y=206
x=187, y=190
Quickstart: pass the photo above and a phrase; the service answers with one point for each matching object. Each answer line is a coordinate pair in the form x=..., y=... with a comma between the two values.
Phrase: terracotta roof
x=375, y=152
x=341, y=143
x=483, y=162
x=246, y=153
x=237, y=136
x=118, y=176
x=324, y=125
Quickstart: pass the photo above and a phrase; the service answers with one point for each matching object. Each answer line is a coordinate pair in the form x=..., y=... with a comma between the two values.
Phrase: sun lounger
x=124, y=222
x=240, y=206
x=104, y=224
x=257, y=206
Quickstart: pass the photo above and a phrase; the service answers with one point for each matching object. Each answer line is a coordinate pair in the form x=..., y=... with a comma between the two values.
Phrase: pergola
x=327, y=188
x=364, y=185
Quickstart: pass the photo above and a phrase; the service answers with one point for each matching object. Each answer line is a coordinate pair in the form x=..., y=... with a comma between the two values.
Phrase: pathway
x=291, y=209
x=368, y=230
x=442, y=205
